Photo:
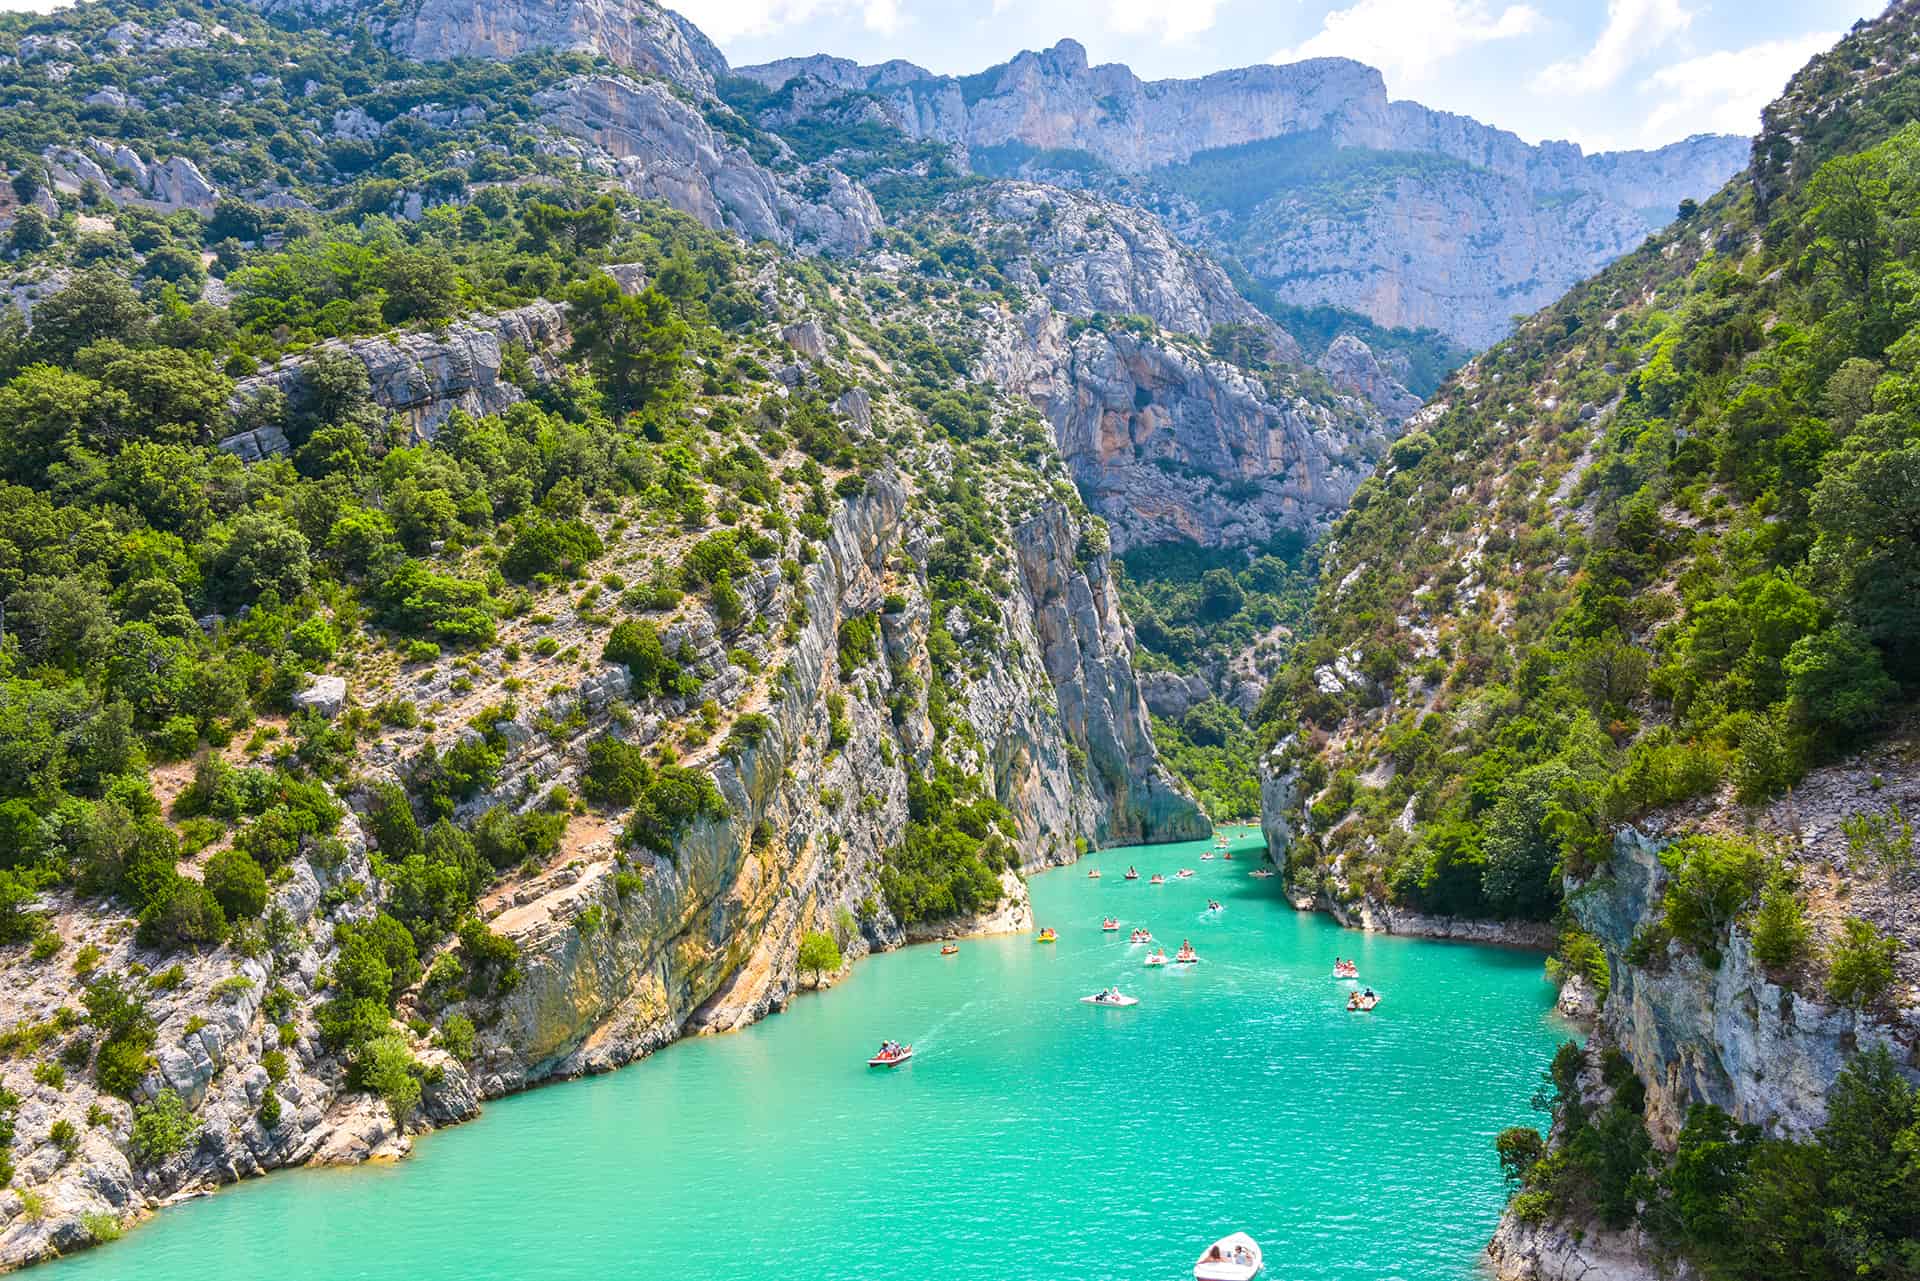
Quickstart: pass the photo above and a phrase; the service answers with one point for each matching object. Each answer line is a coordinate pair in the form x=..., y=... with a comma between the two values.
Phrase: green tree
x=636, y=343
x=1860, y=968
x=1780, y=929
x=819, y=955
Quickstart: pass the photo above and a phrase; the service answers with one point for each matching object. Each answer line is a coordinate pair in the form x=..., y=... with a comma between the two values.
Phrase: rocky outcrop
x=1760, y=1048
x=1171, y=444
x=423, y=377
x=1350, y=365
x=217, y=1015
x=1088, y=651
x=660, y=146
x=711, y=940
x=635, y=34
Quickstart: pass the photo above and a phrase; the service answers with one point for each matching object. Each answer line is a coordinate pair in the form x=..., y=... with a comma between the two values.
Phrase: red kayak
x=891, y=1060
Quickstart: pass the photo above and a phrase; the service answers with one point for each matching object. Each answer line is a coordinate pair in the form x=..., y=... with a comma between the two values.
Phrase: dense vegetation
x=1648, y=549
x=1843, y=1203
x=1226, y=616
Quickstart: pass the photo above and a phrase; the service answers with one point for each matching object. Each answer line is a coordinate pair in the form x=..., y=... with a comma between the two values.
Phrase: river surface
x=1031, y=1136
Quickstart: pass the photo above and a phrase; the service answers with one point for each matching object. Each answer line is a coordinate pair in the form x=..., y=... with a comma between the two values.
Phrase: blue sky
x=1604, y=73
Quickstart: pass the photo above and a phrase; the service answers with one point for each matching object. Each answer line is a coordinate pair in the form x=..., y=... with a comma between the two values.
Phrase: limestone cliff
x=1168, y=440
x=1436, y=220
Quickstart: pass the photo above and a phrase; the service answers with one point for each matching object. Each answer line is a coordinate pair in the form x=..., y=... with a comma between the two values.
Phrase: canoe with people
x=1045, y=936
x=1186, y=955
x=1157, y=879
x=1231, y=1258
x=1093, y=873
x=1110, y=924
x=1158, y=957
x=949, y=949
x=1362, y=1002
x=1261, y=873
x=1183, y=874
x=1343, y=968
x=1213, y=905
x=1132, y=875
x=1110, y=996
x=1207, y=857
x=892, y=1054
x=1141, y=936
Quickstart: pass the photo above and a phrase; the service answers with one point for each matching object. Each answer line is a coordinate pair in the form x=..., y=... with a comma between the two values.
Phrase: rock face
x=1170, y=444
x=711, y=941
x=1053, y=100
x=1350, y=365
x=629, y=33
x=214, y=1031
x=1439, y=221
x=661, y=146
x=424, y=377
x=1736, y=1037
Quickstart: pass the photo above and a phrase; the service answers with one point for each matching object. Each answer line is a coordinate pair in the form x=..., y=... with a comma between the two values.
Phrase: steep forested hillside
x=1660, y=540
x=463, y=611
x=1622, y=636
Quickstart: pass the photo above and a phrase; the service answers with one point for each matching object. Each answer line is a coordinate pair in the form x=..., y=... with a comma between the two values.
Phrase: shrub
x=506, y=839
x=161, y=1128
x=1710, y=878
x=674, y=799
x=186, y=914
x=551, y=546
x=237, y=883
x=1860, y=968
x=1520, y=1148
x=617, y=772
x=385, y=1066
x=1780, y=930
x=635, y=643
x=456, y=1036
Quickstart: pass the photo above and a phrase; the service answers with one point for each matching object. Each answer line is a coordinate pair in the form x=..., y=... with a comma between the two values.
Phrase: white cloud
x=1173, y=19
x=1723, y=92
x=1634, y=29
x=724, y=20
x=1406, y=38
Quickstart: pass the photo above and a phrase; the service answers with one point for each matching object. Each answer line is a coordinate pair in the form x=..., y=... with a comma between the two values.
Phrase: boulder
x=327, y=695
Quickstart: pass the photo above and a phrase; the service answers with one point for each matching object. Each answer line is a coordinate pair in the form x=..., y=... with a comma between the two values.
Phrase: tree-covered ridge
x=668, y=468
x=1659, y=543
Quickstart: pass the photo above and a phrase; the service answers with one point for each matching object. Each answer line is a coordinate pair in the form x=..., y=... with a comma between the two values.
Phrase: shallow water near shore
x=1031, y=1135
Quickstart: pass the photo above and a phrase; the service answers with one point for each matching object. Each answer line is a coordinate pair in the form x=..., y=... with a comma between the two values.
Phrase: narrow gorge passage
x=1239, y=1092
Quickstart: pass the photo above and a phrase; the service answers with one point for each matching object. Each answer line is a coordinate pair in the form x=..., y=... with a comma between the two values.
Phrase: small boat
x=1093, y=874
x=1207, y=857
x=1362, y=1002
x=1213, y=905
x=1045, y=936
x=1261, y=873
x=1113, y=997
x=1157, y=879
x=1231, y=1258
x=891, y=1058
x=949, y=949
x=1132, y=875
x=1186, y=955
x=1157, y=958
x=1228, y=856
x=1183, y=874
x=1141, y=936
x=1110, y=925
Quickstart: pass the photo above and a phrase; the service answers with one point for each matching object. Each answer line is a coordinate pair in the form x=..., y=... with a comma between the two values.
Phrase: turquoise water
x=1031, y=1136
